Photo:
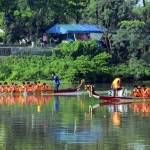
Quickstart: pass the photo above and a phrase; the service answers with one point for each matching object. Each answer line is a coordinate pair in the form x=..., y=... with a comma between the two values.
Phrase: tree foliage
x=128, y=27
x=69, y=66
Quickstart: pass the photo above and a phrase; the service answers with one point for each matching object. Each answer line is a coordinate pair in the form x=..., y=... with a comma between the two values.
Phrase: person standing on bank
x=116, y=85
x=56, y=80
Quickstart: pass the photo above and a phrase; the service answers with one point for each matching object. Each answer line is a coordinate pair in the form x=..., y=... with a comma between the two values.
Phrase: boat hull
x=125, y=99
x=68, y=91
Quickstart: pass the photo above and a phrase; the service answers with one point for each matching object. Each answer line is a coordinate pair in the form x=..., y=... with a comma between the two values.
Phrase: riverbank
x=72, y=62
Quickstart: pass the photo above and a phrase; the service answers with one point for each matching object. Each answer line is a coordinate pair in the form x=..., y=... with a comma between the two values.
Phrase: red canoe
x=122, y=98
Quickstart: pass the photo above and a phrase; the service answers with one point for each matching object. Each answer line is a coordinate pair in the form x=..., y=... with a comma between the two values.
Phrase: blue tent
x=76, y=28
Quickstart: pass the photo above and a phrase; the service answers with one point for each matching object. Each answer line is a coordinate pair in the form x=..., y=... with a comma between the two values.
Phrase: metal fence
x=7, y=51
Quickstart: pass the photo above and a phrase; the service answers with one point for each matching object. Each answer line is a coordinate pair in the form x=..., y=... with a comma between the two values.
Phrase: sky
x=141, y=2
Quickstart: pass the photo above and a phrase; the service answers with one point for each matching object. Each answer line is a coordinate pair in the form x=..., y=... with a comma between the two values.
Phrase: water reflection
x=56, y=103
x=114, y=109
x=56, y=123
x=84, y=132
x=116, y=113
x=143, y=109
x=24, y=100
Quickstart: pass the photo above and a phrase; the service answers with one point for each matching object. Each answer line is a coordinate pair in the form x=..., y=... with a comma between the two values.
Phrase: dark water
x=64, y=123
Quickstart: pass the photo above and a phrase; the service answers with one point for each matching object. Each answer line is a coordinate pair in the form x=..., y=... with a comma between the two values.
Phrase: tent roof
x=76, y=28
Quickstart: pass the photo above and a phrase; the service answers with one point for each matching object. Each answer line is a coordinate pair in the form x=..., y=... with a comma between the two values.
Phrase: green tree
x=129, y=40
x=76, y=8
x=100, y=11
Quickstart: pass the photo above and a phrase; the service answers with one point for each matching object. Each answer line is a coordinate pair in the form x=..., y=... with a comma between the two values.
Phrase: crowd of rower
x=140, y=91
x=29, y=87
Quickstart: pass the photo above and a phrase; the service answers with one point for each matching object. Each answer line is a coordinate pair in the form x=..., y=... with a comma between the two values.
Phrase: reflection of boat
x=116, y=109
x=141, y=107
x=28, y=100
x=114, y=103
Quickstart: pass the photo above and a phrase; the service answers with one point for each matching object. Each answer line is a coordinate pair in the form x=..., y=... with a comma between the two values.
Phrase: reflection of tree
x=25, y=128
x=2, y=135
x=133, y=129
x=83, y=132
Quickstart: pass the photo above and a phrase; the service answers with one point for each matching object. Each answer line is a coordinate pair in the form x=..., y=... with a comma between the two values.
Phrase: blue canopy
x=76, y=28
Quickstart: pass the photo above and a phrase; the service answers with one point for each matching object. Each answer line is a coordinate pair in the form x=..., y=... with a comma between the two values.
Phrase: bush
x=78, y=48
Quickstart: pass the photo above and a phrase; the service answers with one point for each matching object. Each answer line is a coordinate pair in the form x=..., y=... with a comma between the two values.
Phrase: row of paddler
x=140, y=91
x=29, y=87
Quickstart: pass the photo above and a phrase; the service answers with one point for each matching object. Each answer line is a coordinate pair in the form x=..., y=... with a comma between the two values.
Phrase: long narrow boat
x=123, y=98
x=114, y=98
x=67, y=91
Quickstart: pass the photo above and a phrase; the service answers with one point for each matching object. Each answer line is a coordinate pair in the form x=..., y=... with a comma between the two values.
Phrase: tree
x=129, y=40
x=100, y=11
x=76, y=8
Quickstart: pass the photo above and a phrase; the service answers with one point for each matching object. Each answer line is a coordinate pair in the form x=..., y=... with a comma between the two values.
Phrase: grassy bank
x=72, y=62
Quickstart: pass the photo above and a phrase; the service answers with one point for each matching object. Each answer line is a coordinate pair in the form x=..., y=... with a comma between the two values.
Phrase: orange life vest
x=136, y=92
x=146, y=92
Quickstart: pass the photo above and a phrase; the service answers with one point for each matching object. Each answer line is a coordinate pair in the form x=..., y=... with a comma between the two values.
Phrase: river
x=64, y=123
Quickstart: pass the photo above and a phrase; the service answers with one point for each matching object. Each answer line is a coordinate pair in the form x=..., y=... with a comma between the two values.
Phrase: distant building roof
x=76, y=28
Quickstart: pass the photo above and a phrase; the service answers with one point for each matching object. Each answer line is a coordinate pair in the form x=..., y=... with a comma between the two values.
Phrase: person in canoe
x=56, y=80
x=116, y=85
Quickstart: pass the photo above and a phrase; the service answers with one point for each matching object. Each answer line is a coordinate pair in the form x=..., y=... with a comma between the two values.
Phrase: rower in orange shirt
x=16, y=89
x=39, y=88
x=143, y=89
x=29, y=88
x=137, y=91
x=1, y=88
x=146, y=92
x=5, y=87
x=8, y=87
x=43, y=88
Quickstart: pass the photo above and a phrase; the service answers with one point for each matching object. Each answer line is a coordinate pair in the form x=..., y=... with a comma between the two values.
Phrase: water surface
x=64, y=123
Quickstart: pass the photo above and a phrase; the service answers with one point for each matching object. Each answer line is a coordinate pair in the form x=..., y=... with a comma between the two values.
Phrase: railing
x=11, y=50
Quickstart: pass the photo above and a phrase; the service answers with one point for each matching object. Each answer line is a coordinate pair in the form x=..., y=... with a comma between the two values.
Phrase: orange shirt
x=146, y=92
x=1, y=89
x=136, y=92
